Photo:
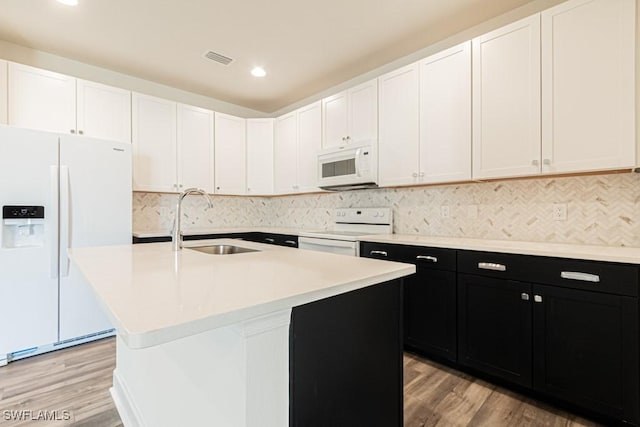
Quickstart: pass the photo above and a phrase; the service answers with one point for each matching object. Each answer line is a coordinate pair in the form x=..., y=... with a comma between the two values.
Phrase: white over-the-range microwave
x=348, y=167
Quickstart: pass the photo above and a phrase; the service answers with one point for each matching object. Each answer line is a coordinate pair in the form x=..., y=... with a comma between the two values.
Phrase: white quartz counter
x=201, y=231
x=586, y=252
x=155, y=295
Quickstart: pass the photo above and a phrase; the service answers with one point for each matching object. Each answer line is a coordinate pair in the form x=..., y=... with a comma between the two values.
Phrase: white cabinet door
x=3, y=92
x=334, y=119
x=506, y=101
x=285, y=153
x=260, y=156
x=41, y=99
x=399, y=127
x=230, y=154
x=309, y=143
x=195, y=148
x=588, y=86
x=445, y=115
x=363, y=113
x=103, y=111
x=154, y=144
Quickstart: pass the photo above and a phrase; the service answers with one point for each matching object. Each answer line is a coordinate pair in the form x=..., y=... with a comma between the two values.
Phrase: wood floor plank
x=78, y=379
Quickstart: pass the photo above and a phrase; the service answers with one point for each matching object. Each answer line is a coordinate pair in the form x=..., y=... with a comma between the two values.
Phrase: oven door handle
x=357, y=162
x=326, y=242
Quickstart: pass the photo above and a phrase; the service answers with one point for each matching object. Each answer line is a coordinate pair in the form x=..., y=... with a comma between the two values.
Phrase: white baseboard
x=121, y=398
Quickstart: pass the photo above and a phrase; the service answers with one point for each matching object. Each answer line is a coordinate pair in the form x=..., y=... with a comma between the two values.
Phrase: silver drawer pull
x=576, y=275
x=383, y=253
x=290, y=242
x=492, y=266
x=427, y=258
x=269, y=239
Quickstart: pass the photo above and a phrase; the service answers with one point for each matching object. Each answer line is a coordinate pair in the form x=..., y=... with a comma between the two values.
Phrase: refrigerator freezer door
x=95, y=210
x=28, y=275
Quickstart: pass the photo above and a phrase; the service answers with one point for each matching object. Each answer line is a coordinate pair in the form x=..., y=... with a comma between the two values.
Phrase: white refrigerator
x=56, y=192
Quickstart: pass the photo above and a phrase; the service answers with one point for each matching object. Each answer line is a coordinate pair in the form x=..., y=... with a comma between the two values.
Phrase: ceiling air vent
x=218, y=58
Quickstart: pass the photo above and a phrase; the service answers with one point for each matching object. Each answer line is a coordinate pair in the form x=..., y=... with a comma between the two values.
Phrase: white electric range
x=349, y=225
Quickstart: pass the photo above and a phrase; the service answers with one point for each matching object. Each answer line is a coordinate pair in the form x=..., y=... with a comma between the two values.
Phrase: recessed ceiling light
x=258, y=72
x=69, y=2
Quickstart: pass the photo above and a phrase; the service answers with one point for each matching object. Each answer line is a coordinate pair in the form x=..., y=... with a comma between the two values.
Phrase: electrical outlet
x=560, y=211
x=444, y=211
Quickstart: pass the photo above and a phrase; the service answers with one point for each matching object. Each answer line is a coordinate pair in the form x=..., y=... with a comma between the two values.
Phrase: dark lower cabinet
x=586, y=349
x=346, y=360
x=430, y=313
x=494, y=327
x=288, y=240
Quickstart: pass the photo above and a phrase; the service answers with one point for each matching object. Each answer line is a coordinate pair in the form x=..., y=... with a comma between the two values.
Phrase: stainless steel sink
x=222, y=249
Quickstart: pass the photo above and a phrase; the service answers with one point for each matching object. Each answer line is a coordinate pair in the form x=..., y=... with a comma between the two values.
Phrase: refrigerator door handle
x=65, y=221
x=53, y=223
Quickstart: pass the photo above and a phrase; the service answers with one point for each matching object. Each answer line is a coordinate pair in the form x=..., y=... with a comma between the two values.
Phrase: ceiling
x=305, y=46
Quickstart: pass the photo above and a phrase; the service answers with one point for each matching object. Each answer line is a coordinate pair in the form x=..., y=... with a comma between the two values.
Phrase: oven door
x=341, y=247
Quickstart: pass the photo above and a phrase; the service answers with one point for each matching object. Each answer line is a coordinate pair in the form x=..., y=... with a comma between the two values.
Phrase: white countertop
x=574, y=251
x=200, y=231
x=155, y=295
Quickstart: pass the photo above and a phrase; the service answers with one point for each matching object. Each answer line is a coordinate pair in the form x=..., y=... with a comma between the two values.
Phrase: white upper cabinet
x=103, y=111
x=588, y=86
x=41, y=99
x=445, y=116
x=154, y=144
x=195, y=148
x=398, y=146
x=260, y=156
x=309, y=143
x=286, y=153
x=3, y=92
x=506, y=101
x=335, y=118
x=351, y=116
x=44, y=100
x=230, y=154
x=298, y=138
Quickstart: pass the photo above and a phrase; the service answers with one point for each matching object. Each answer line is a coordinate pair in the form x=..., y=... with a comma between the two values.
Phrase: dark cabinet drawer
x=421, y=256
x=612, y=278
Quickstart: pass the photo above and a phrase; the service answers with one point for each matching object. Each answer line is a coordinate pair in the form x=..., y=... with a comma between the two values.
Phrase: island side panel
x=346, y=359
x=235, y=376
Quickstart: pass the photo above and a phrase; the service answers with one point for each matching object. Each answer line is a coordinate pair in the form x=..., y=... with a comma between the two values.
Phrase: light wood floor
x=78, y=379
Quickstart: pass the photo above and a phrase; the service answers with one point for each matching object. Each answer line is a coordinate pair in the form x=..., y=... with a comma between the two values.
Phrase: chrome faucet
x=176, y=234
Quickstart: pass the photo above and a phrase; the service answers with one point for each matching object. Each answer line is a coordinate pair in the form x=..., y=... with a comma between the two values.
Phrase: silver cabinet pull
x=535, y=162
x=72, y=131
x=492, y=266
x=269, y=239
x=576, y=275
x=81, y=132
x=383, y=253
x=546, y=162
x=415, y=174
x=537, y=298
x=290, y=242
x=524, y=296
x=427, y=258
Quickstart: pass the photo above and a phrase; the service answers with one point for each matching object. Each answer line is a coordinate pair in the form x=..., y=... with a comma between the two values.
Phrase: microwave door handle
x=358, y=155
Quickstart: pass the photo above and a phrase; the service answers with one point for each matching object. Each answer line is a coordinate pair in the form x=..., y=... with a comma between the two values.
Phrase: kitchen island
x=274, y=337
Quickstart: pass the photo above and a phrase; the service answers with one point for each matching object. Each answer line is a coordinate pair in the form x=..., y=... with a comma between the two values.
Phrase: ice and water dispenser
x=22, y=226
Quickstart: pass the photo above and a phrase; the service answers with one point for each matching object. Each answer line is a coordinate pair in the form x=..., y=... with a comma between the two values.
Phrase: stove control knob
x=381, y=214
x=375, y=214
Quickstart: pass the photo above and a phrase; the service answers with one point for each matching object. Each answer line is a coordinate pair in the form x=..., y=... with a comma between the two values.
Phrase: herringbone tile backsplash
x=602, y=209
